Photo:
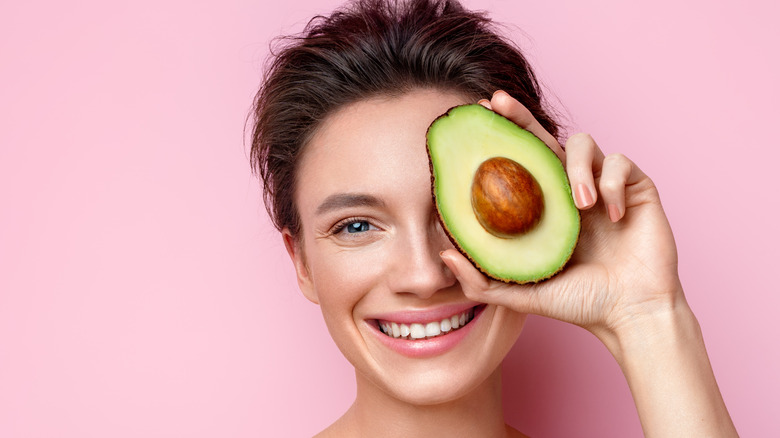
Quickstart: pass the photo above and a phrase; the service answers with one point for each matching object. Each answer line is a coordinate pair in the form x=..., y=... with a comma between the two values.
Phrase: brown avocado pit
x=506, y=198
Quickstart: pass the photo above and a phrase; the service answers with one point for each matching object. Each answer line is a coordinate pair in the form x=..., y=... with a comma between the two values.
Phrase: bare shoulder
x=334, y=431
x=342, y=428
x=327, y=433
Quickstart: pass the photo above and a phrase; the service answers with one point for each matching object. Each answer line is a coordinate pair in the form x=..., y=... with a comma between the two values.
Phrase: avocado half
x=502, y=195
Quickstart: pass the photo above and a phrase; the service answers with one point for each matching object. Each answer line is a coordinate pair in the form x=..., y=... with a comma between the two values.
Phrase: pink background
x=143, y=292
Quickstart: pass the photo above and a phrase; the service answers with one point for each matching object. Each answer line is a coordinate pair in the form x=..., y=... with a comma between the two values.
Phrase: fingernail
x=583, y=196
x=502, y=92
x=614, y=213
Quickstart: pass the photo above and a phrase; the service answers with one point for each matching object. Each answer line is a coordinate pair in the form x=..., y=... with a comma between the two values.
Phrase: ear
x=295, y=251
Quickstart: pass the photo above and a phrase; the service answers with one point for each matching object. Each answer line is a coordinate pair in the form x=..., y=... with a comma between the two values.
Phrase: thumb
x=476, y=286
x=473, y=282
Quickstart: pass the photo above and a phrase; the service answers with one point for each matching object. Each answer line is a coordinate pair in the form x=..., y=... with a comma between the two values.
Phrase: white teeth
x=432, y=329
x=427, y=329
x=417, y=331
x=396, y=330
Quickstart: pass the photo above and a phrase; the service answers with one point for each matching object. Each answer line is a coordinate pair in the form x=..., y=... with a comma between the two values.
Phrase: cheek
x=343, y=281
x=344, y=278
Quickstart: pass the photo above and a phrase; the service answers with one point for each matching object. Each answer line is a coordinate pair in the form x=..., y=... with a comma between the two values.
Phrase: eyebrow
x=345, y=200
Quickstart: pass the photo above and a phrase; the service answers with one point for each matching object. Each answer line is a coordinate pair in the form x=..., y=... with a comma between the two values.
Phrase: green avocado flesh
x=458, y=143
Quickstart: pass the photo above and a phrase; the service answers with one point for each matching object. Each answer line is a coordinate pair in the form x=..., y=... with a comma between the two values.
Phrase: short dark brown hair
x=370, y=48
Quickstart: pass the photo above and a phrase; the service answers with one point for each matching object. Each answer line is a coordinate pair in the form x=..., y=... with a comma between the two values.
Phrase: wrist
x=649, y=329
x=663, y=357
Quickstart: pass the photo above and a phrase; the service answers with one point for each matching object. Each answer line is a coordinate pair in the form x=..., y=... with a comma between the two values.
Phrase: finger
x=583, y=159
x=509, y=107
x=485, y=103
x=471, y=280
x=476, y=286
x=617, y=172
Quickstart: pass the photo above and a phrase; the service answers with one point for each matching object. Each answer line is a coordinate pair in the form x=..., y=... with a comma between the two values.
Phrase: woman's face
x=368, y=254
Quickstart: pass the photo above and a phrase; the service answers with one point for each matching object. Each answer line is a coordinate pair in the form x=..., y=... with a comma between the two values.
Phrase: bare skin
x=622, y=286
x=455, y=419
x=622, y=283
x=391, y=263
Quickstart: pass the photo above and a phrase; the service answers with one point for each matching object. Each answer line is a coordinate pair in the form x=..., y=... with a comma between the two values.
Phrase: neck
x=378, y=414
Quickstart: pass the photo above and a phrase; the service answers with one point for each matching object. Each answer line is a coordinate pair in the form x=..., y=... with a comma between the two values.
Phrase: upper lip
x=424, y=315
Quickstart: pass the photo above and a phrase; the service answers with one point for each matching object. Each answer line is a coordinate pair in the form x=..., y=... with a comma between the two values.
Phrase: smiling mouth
x=427, y=330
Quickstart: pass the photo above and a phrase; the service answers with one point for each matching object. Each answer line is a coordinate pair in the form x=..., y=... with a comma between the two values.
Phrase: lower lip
x=429, y=347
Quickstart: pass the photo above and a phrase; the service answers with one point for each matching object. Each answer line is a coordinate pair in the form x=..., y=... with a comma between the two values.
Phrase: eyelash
x=344, y=223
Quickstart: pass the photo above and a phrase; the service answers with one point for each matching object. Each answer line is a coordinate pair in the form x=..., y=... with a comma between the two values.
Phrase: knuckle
x=582, y=139
x=617, y=158
x=610, y=185
x=582, y=136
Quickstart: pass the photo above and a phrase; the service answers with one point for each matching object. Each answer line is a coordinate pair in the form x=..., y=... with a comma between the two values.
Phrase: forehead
x=371, y=146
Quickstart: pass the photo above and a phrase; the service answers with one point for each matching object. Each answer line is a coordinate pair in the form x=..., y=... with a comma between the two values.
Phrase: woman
x=339, y=142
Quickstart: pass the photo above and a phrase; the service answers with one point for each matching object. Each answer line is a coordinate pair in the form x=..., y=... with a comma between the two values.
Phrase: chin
x=436, y=388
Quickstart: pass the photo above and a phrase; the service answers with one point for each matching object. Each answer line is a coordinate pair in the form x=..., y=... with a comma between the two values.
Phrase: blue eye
x=357, y=227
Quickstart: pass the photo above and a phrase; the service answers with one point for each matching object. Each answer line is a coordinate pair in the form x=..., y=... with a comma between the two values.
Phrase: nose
x=418, y=268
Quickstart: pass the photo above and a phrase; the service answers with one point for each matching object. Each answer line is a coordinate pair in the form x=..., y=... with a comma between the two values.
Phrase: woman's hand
x=625, y=264
x=622, y=285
